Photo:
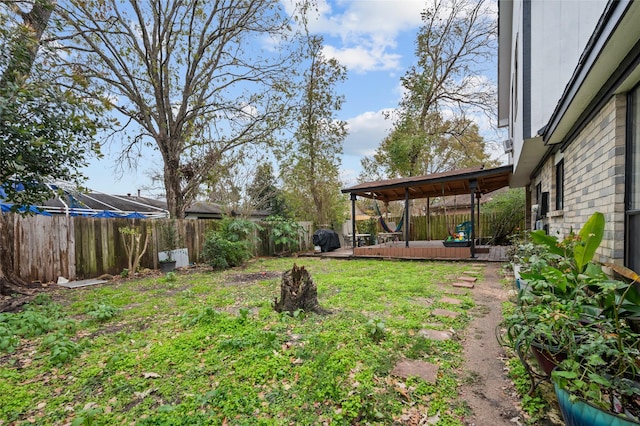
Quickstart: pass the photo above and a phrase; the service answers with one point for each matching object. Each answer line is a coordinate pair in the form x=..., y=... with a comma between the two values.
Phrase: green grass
x=207, y=348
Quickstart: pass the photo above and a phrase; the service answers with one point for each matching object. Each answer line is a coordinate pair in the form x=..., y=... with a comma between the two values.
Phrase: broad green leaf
x=590, y=235
x=565, y=374
x=539, y=237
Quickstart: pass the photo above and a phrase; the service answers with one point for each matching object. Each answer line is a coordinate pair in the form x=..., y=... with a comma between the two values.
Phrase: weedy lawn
x=208, y=348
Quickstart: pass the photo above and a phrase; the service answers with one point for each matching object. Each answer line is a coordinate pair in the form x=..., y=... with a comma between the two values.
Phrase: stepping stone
x=457, y=291
x=468, y=279
x=463, y=285
x=471, y=272
x=406, y=368
x=451, y=301
x=445, y=313
x=434, y=334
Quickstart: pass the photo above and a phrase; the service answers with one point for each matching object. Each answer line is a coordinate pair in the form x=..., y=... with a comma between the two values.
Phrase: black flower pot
x=167, y=266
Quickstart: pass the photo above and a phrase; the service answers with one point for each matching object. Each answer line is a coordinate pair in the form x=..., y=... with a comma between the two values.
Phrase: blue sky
x=374, y=39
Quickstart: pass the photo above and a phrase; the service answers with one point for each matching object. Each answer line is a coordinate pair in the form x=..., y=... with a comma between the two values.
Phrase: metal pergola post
x=353, y=220
x=406, y=216
x=473, y=186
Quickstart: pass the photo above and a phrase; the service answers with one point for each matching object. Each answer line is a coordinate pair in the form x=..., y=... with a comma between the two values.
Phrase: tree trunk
x=298, y=291
x=24, y=52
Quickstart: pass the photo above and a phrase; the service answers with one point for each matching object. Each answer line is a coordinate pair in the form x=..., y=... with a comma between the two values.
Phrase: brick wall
x=594, y=180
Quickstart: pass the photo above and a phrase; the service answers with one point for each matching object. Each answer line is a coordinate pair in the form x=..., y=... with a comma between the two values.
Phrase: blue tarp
x=135, y=215
x=6, y=208
x=106, y=214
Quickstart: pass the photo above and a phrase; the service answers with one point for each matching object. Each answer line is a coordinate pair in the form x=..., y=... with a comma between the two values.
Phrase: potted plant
x=591, y=321
x=170, y=241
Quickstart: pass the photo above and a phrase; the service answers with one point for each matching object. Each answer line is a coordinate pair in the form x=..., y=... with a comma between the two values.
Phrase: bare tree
x=193, y=79
x=456, y=38
x=432, y=129
x=310, y=166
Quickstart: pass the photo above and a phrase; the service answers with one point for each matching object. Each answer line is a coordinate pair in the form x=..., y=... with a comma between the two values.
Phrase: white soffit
x=532, y=151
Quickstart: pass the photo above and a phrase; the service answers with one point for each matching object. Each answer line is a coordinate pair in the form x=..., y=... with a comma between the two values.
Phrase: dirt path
x=487, y=390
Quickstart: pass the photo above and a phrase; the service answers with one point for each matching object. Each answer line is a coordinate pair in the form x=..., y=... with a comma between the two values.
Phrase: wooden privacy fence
x=47, y=247
x=424, y=228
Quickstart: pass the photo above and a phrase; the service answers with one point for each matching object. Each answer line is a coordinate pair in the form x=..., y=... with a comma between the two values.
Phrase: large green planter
x=580, y=413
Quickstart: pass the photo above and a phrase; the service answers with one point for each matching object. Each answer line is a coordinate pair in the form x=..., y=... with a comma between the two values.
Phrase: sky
x=374, y=39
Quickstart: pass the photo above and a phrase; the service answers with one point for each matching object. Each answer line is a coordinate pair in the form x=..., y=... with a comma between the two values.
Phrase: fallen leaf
x=151, y=375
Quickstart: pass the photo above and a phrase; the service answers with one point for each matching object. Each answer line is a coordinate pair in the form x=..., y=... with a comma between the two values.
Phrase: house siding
x=596, y=181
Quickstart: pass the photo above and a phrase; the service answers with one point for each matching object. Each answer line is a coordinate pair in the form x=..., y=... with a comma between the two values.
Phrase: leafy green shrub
x=243, y=314
x=8, y=339
x=202, y=315
x=39, y=317
x=284, y=233
x=87, y=417
x=507, y=213
x=171, y=277
x=42, y=299
x=221, y=253
x=375, y=329
x=369, y=226
x=234, y=230
x=101, y=311
x=62, y=349
x=36, y=320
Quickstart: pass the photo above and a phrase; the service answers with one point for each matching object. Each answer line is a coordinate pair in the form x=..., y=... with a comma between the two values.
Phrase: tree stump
x=298, y=291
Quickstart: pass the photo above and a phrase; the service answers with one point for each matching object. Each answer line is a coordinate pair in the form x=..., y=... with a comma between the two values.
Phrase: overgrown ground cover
x=207, y=348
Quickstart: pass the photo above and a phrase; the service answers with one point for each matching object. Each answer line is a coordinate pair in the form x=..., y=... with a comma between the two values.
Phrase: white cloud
x=365, y=31
x=361, y=59
x=366, y=132
x=349, y=18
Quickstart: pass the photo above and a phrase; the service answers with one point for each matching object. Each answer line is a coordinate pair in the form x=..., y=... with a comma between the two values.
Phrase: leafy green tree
x=46, y=133
x=413, y=151
x=456, y=37
x=196, y=80
x=310, y=164
x=507, y=213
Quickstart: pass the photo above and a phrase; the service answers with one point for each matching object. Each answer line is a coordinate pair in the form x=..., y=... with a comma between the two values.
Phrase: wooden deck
x=424, y=250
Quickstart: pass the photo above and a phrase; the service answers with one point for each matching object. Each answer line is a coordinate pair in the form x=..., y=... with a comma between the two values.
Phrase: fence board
x=46, y=247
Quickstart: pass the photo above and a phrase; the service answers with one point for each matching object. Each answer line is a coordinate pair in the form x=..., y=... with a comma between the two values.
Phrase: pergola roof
x=454, y=182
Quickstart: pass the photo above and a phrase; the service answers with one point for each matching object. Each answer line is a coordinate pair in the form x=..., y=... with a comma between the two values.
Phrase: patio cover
x=474, y=181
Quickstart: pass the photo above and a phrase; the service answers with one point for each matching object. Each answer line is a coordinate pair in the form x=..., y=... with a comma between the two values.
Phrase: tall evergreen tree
x=263, y=192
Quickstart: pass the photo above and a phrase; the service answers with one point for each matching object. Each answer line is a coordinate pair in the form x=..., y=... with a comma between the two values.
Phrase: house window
x=632, y=196
x=538, y=200
x=560, y=185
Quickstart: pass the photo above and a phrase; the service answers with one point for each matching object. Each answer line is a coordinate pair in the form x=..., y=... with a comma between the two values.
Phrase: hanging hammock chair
x=384, y=224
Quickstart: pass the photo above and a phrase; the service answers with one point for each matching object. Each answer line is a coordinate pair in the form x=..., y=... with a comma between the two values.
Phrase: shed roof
x=454, y=182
